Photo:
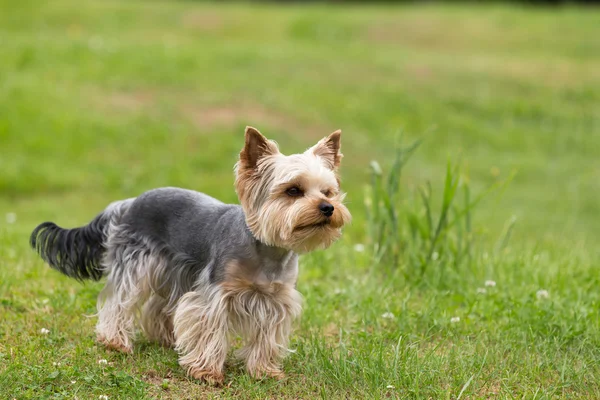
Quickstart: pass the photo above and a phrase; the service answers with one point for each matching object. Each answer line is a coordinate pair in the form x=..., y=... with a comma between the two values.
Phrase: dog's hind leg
x=119, y=303
x=156, y=322
x=201, y=329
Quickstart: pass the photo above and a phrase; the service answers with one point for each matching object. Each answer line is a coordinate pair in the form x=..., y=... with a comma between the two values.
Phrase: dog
x=192, y=271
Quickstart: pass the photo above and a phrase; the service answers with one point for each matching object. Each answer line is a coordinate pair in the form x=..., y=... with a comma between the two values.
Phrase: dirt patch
x=422, y=32
x=420, y=72
x=175, y=386
x=210, y=117
x=203, y=20
x=156, y=378
x=133, y=101
x=489, y=390
x=331, y=330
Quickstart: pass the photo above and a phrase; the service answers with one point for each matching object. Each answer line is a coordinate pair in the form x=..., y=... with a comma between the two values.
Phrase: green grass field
x=102, y=100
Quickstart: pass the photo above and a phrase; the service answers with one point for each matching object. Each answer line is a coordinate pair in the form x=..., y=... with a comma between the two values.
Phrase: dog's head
x=293, y=202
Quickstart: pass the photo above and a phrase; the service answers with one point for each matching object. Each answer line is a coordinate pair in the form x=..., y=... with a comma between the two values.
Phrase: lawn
x=102, y=100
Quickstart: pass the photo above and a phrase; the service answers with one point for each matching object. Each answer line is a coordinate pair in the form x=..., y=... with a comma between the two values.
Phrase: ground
x=103, y=100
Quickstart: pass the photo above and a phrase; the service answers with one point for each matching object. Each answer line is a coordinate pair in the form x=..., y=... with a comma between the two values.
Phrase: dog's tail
x=77, y=252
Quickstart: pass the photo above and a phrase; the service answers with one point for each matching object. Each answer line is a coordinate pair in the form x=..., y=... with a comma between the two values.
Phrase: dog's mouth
x=317, y=225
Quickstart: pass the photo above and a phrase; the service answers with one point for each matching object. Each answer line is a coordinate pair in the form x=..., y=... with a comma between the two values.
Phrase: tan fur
x=329, y=149
x=156, y=322
x=261, y=312
x=262, y=176
x=201, y=329
x=115, y=344
x=118, y=310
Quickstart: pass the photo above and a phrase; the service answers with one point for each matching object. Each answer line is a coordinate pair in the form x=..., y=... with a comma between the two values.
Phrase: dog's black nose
x=326, y=209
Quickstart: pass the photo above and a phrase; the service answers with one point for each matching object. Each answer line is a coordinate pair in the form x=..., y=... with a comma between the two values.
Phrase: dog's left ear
x=329, y=149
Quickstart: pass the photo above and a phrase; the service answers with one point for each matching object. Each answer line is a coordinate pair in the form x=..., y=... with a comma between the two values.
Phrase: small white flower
x=490, y=283
x=338, y=291
x=481, y=290
x=388, y=315
x=11, y=218
x=542, y=294
x=359, y=247
x=454, y=320
x=391, y=387
x=45, y=301
x=103, y=397
x=103, y=361
x=73, y=382
x=56, y=364
x=44, y=331
x=435, y=255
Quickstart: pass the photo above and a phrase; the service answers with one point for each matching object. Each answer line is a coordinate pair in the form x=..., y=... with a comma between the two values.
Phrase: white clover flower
x=454, y=320
x=11, y=218
x=103, y=361
x=388, y=315
x=73, y=382
x=481, y=290
x=435, y=255
x=338, y=291
x=44, y=331
x=359, y=247
x=490, y=283
x=56, y=364
x=542, y=294
x=391, y=387
x=103, y=397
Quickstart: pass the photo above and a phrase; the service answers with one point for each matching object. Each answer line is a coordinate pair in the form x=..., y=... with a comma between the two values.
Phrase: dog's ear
x=329, y=149
x=256, y=147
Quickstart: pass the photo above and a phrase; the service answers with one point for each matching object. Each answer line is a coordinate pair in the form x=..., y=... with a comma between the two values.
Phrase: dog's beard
x=298, y=225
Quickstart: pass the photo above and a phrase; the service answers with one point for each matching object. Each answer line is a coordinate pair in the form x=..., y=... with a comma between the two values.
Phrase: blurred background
x=104, y=100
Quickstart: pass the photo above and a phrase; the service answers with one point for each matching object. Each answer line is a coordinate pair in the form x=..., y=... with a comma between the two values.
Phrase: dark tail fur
x=74, y=252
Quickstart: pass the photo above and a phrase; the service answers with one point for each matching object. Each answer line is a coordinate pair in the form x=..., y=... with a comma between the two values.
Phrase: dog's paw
x=278, y=375
x=211, y=377
x=267, y=373
x=114, y=344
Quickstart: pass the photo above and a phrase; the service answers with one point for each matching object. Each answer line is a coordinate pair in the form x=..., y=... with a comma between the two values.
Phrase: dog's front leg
x=265, y=348
x=200, y=325
x=266, y=328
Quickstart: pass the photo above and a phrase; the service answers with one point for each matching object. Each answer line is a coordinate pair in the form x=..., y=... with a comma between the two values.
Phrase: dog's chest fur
x=259, y=295
x=264, y=273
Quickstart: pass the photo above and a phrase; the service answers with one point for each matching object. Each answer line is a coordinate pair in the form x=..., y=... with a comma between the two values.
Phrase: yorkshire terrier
x=192, y=270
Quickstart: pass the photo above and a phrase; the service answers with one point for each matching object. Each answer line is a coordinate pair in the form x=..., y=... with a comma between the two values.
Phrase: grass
x=103, y=100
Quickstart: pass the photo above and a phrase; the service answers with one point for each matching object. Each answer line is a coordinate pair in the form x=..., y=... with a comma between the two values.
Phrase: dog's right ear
x=256, y=147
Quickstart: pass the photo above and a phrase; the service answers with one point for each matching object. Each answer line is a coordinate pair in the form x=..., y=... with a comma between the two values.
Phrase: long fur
x=262, y=314
x=76, y=252
x=191, y=270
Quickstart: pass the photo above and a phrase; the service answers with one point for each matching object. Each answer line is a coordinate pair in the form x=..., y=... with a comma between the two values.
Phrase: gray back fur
x=187, y=239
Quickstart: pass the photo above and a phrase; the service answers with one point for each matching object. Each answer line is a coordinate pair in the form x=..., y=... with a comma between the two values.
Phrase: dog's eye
x=294, y=192
x=327, y=193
